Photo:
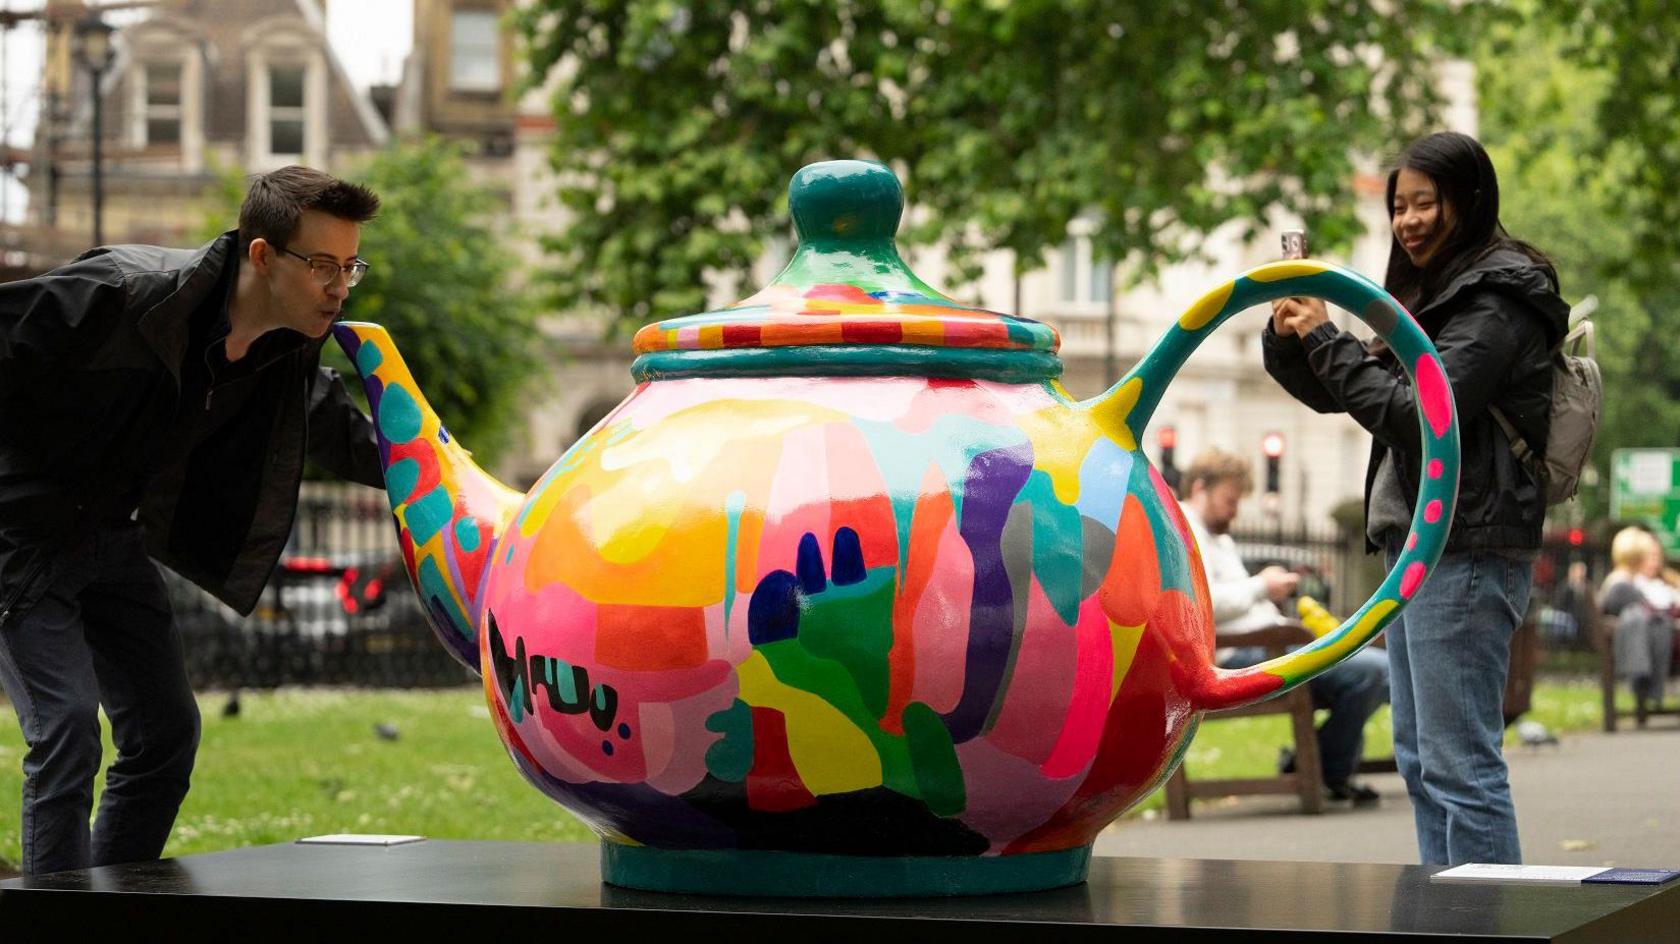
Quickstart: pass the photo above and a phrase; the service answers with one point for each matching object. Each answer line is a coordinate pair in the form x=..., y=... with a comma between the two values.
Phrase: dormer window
x=475, y=63
x=162, y=97
x=163, y=108
x=286, y=76
x=286, y=112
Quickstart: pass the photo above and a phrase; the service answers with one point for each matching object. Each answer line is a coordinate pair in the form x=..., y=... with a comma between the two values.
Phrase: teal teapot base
x=771, y=874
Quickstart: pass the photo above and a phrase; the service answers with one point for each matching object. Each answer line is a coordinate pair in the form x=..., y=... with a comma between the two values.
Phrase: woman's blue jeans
x=1448, y=655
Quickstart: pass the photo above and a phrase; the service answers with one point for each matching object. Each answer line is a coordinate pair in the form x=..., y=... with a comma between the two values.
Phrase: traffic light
x=1167, y=438
x=1272, y=445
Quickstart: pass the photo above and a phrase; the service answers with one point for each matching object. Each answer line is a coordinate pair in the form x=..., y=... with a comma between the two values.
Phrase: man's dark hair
x=1465, y=180
x=277, y=199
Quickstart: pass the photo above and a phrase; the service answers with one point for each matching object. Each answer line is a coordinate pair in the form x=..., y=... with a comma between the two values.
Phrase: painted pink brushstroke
x=1093, y=678
x=940, y=628
x=1006, y=794
x=1414, y=576
x=1434, y=394
x=799, y=500
x=1050, y=655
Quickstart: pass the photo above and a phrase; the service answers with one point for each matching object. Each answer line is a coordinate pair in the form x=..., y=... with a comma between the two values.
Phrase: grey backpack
x=1577, y=397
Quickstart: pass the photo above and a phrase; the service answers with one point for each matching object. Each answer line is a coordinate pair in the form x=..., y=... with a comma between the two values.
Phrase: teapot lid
x=846, y=304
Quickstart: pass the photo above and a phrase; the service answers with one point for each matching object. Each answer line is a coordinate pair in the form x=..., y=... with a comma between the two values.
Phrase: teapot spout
x=449, y=513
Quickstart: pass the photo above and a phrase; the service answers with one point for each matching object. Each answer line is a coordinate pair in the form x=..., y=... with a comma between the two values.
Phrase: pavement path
x=1595, y=799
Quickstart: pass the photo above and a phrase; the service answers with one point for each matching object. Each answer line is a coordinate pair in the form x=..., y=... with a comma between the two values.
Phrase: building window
x=1084, y=280
x=475, y=51
x=1070, y=271
x=285, y=109
x=163, y=103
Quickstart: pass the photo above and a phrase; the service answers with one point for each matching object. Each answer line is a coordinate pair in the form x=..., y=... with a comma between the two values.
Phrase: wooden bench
x=1519, y=686
x=1603, y=634
x=1306, y=780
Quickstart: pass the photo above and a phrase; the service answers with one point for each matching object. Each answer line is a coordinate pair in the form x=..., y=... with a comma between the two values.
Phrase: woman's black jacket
x=1495, y=326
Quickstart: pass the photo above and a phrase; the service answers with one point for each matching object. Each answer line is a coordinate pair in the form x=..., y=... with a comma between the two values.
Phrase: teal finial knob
x=845, y=200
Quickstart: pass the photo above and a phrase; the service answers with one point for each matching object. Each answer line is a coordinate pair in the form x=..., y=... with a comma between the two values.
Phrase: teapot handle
x=1437, y=421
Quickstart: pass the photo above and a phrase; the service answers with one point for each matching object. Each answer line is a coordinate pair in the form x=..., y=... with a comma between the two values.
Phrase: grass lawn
x=302, y=762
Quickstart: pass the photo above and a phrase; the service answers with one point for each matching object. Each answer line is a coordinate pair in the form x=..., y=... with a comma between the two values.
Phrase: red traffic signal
x=1577, y=537
x=1272, y=445
x=1167, y=437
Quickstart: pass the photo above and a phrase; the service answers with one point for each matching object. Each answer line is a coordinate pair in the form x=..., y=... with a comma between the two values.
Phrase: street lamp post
x=94, y=52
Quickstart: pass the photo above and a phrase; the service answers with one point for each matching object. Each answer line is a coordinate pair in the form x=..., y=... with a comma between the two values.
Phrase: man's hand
x=1280, y=583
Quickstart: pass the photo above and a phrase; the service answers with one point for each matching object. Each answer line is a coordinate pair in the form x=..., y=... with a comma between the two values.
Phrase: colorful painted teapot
x=849, y=596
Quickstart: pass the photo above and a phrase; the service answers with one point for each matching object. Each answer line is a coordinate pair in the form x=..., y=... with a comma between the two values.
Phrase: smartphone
x=1294, y=244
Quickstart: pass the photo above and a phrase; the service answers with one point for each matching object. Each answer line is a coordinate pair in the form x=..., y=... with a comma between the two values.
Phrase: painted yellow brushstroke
x=1206, y=308
x=1112, y=412
x=1306, y=663
x=1060, y=439
x=1277, y=271
x=830, y=753
x=1126, y=639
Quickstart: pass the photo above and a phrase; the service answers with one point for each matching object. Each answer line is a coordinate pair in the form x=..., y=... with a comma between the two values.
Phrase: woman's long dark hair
x=1464, y=180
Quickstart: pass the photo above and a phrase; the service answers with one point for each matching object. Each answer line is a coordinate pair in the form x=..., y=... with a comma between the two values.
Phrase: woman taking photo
x=1491, y=305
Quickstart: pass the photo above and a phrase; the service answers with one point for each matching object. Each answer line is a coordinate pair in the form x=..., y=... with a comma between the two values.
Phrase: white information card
x=359, y=839
x=1531, y=874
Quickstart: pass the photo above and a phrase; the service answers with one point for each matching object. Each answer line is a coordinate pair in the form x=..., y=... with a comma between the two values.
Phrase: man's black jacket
x=91, y=358
x=1495, y=325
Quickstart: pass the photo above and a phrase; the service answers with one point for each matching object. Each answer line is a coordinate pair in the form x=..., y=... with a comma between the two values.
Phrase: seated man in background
x=1213, y=489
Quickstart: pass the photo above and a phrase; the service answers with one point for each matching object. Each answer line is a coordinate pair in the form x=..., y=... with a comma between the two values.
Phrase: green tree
x=444, y=282
x=1635, y=45
x=678, y=124
x=1573, y=185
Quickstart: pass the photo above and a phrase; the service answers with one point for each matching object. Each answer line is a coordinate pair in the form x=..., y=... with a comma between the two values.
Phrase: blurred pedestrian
x=1643, y=608
x=1490, y=303
x=1575, y=601
x=164, y=402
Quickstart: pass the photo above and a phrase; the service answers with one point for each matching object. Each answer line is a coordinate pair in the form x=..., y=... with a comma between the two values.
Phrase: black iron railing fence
x=1333, y=568
x=340, y=610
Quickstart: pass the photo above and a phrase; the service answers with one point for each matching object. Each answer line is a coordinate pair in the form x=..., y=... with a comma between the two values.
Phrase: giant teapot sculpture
x=849, y=596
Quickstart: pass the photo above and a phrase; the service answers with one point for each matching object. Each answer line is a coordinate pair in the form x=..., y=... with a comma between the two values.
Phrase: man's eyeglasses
x=325, y=271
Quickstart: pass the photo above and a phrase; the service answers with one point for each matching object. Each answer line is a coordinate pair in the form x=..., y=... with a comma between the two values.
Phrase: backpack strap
x=1519, y=445
x=1580, y=334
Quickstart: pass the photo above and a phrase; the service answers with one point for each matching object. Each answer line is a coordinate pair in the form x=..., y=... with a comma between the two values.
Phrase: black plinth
x=482, y=891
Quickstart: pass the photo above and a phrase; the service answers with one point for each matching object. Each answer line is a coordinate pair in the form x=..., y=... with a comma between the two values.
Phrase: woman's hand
x=1298, y=316
x=1280, y=309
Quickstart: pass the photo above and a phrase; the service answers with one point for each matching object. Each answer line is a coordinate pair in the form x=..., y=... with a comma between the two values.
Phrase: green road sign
x=1646, y=488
